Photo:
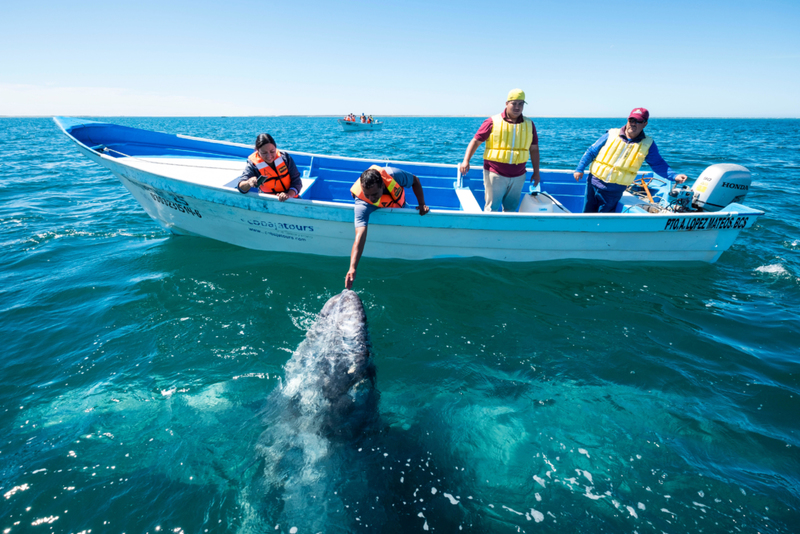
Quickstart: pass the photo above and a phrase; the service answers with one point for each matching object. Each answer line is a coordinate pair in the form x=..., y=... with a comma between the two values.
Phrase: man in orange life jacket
x=615, y=159
x=271, y=170
x=379, y=188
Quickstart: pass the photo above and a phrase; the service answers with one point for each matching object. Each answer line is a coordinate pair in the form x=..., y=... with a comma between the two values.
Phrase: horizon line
x=48, y=116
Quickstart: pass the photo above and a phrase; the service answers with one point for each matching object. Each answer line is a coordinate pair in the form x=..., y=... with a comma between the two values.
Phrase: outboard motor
x=681, y=197
x=720, y=185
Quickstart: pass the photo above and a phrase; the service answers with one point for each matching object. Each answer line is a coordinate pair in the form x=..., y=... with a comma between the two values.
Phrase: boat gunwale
x=438, y=212
x=399, y=211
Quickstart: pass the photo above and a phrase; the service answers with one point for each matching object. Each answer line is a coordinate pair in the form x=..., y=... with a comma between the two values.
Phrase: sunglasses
x=635, y=121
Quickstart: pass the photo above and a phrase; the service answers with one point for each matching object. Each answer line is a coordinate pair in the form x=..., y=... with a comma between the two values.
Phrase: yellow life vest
x=509, y=143
x=393, y=194
x=618, y=161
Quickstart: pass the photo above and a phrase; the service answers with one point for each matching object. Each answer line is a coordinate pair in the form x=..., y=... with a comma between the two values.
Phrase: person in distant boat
x=616, y=158
x=271, y=170
x=379, y=188
x=511, y=140
x=363, y=118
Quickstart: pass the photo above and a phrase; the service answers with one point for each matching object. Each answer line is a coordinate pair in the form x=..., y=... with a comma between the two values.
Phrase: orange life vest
x=276, y=182
x=393, y=194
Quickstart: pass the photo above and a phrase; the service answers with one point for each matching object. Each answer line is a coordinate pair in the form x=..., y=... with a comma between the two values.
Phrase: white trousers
x=502, y=191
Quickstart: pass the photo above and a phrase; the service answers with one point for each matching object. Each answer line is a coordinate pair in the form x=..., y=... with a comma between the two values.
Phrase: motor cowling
x=720, y=185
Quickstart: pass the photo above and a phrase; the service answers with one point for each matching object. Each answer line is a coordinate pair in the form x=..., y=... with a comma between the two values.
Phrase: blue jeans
x=600, y=200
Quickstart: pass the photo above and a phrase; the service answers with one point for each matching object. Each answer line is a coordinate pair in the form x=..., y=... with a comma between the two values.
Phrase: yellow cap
x=516, y=94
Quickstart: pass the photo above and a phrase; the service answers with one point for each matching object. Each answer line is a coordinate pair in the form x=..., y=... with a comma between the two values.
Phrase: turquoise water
x=137, y=366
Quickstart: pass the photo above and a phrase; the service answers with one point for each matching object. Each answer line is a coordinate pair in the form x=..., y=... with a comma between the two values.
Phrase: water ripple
x=564, y=396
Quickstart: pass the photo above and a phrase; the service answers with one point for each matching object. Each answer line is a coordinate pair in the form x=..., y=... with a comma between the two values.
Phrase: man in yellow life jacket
x=511, y=140
x=379, y=188
x=616, y=158
x=271, y=170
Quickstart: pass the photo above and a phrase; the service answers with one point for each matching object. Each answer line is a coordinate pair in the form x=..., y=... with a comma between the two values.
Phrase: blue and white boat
x=358, y=126
x=188, y=185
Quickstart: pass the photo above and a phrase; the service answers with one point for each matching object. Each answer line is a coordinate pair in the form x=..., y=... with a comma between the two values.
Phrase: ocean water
x=137, y=366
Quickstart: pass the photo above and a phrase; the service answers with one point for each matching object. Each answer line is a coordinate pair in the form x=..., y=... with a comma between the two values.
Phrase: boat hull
x=209, y=205
x=349, y=126
x=290, y=227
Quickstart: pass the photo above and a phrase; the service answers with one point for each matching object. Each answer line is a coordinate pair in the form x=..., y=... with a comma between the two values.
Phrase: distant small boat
x=351, y=126
x=188, y=185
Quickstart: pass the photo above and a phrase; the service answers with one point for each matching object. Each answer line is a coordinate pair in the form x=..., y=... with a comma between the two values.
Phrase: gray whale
x=314, y=420
x=330, y=379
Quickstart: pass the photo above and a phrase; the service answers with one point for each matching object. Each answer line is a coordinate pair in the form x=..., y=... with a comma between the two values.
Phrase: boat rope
x=106, y=149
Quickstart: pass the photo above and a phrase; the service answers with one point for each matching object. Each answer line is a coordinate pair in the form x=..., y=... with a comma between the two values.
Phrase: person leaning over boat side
x=379, y=188
x=616, y=158
x=510, y=140
x=271, y=170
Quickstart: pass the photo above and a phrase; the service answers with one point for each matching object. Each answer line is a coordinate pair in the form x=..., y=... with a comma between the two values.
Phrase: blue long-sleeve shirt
x=654, y=159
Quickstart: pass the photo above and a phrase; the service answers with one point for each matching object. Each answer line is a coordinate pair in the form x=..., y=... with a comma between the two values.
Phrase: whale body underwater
x=326, y=403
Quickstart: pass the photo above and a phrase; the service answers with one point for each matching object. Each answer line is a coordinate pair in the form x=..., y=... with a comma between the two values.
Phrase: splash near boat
x=189, y=186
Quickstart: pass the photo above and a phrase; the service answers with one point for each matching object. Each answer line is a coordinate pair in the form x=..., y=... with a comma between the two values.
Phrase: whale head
x=331, y=376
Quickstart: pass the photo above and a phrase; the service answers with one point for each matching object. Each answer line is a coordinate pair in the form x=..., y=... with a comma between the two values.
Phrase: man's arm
x=535, y=164
x=481, y=135
x=471, y=148
x=660, y=167
x=355, y=255
x=417, y=188
x=589, y=156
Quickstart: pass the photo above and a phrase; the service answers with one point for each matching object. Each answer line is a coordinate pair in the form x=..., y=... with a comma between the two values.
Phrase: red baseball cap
x=640, y=114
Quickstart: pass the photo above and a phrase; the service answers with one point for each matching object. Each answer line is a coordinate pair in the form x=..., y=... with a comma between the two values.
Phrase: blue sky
x=245, y=57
